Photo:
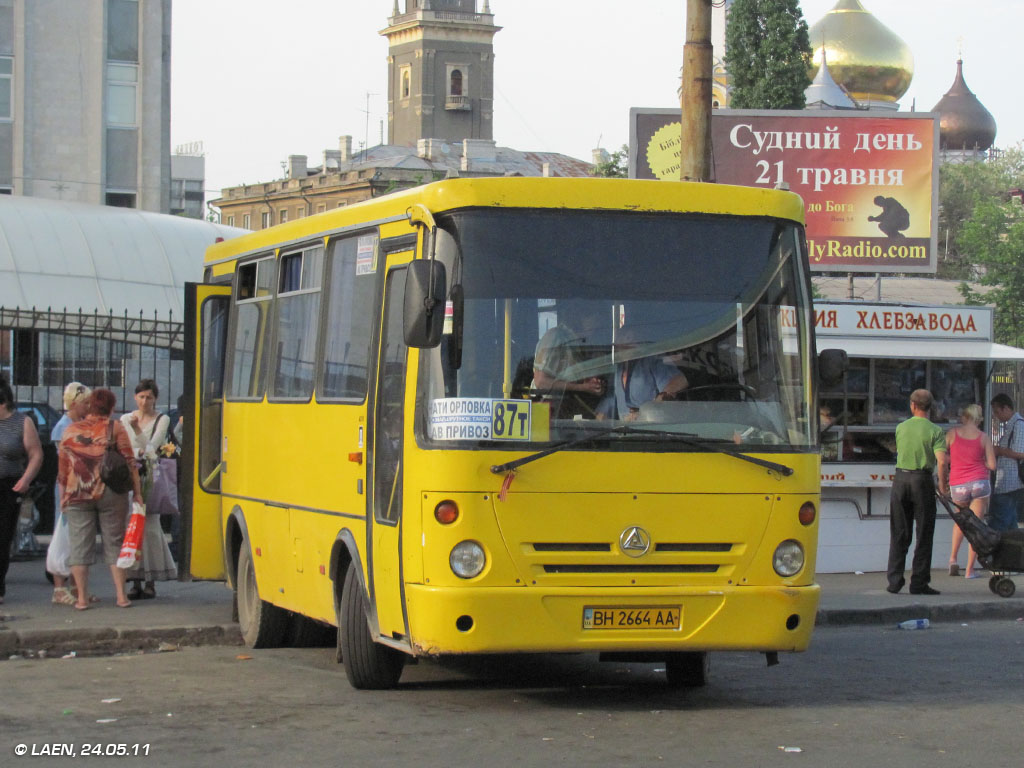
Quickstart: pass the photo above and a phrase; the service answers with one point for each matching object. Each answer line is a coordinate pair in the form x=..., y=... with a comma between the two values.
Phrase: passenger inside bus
x=571, y=341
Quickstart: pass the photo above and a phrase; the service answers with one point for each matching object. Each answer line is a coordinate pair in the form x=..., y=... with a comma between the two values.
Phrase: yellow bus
x=511, y=415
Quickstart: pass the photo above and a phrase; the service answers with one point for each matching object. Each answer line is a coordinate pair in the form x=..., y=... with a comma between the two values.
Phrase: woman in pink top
x=971, y=458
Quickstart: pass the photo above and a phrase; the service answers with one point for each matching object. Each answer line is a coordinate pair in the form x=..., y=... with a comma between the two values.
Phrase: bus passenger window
x=253, y=292
x=298, y=317
x=350, y=299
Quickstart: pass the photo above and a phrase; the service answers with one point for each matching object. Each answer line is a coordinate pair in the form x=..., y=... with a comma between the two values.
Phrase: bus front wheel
x=262, y=624
x=687, y=670
x=368, y=665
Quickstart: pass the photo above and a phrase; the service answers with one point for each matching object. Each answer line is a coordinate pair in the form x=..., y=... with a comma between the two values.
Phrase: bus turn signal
x=446, y=512
x=807, y=513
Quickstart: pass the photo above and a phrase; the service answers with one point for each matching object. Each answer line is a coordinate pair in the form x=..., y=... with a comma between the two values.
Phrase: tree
x=768, y=54
x=962, y=186
x=994, y=238
x=616, y=166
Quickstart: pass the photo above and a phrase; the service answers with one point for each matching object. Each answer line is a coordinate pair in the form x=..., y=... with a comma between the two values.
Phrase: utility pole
x=695, y=149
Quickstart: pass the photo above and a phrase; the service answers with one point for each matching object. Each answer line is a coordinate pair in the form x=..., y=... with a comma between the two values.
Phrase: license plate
x=645, y=617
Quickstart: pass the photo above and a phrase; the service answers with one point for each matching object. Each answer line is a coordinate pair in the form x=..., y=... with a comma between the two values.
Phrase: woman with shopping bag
x=76, y=404
x=148, y=432
x=87, y=499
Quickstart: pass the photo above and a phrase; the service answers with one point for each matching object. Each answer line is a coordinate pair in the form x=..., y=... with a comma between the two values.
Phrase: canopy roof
x=57, y=255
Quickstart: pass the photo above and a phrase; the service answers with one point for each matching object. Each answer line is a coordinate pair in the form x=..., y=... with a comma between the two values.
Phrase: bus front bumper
x=462, y=620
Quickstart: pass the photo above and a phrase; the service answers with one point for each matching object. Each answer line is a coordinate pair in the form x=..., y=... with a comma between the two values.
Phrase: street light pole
x=695, y=149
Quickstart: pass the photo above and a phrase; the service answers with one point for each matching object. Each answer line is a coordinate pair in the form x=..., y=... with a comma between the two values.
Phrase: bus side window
x=351, y=292
x=298, y=317
x=254, y=290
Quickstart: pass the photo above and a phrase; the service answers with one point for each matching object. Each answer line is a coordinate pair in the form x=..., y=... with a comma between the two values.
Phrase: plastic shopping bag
x=163, y=497
x=59, y=551
x=132, y=547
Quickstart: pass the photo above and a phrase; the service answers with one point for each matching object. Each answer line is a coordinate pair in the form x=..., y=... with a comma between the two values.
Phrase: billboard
x=869, y=180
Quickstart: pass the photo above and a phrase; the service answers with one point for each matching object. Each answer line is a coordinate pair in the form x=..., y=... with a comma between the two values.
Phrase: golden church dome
x=964, y=123
x=864, y=56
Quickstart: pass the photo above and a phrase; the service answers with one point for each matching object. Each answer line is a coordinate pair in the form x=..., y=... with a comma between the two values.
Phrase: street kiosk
x=893, y=349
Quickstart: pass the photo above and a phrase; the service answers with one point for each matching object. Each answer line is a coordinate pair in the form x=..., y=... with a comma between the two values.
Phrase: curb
x=103, y=641
x=108, y=640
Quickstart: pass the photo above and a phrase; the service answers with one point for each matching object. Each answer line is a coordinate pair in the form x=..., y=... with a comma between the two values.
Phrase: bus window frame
x=385, y=245
x=229, y=368
x=297, y=249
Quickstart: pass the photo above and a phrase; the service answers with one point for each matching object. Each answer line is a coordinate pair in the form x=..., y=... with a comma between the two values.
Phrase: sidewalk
x=183, y=613
x=199, y=613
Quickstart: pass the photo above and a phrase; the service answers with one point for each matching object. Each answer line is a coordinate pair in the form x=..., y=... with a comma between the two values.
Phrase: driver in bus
x=642, y=380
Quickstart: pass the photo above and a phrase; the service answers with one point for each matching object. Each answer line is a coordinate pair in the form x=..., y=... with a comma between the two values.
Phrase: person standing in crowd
x=1006, y=496
x=148, y=432
x=87, y=501
x=21, y=457
x=76, y=404
x=920, y=449
x=971, y=458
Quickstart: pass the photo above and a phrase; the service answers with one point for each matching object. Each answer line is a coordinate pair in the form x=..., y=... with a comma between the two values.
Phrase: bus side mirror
x=832, y=365
x=423, y=313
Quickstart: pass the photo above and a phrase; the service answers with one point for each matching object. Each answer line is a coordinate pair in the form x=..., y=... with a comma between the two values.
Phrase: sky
x=258, y=80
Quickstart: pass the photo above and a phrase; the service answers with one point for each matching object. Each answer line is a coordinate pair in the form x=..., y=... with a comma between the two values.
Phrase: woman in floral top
x=87, y=500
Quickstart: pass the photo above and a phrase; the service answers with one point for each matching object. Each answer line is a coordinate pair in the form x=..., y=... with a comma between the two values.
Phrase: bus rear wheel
x=262, y=624
x=687, y=670
x=368, y=665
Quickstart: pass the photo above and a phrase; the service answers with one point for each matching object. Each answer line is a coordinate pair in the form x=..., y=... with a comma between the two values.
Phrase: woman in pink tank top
x=971, y=458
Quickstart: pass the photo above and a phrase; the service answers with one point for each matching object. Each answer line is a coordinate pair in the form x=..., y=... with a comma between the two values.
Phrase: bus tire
x=687, y=669
x=368, y=665
x=263, y=625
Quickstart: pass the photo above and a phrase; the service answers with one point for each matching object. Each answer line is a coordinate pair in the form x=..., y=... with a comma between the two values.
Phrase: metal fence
x=44, y=349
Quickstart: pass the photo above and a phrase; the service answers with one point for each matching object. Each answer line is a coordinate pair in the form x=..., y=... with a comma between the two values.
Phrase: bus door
x=202, y=537
x=385, y=529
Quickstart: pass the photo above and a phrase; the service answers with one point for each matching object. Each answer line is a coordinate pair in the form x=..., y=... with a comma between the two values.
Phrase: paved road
x=952, y=695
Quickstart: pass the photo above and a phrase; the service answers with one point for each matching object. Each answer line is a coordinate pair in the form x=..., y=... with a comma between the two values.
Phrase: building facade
x=344, y=177
x=440, y=71
x=188, y=178
x=85, y=101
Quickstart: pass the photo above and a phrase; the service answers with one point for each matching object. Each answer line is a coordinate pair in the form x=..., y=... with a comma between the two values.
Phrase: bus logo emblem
x=635, y=541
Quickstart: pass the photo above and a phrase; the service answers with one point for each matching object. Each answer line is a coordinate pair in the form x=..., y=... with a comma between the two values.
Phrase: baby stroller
x=1000, y=552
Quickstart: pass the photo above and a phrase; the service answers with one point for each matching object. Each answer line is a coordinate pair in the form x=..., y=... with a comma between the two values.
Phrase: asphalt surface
x=200, y=613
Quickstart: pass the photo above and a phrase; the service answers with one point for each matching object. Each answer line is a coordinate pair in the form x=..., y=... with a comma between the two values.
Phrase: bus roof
x=527, y=192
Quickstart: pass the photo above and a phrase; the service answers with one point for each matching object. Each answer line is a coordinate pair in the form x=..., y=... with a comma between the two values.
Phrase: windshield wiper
x=682, y=437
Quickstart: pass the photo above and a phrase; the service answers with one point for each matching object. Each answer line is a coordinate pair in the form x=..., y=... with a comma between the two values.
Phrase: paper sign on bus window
x=479, y=418
x=366, y=255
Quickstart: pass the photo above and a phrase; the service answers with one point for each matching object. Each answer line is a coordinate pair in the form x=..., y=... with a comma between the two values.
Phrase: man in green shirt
x=920, y=448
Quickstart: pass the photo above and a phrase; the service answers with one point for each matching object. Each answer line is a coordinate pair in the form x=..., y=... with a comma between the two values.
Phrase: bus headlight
x=467, y=559
x=788, y=558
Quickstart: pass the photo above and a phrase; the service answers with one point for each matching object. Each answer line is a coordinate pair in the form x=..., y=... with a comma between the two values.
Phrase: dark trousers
x=10, y=508
x=911, y=505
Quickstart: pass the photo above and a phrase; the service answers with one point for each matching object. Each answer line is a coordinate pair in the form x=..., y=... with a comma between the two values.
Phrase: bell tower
x=440, y=71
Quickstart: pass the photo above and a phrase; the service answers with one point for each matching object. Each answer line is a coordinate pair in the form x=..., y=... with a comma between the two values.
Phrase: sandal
x=85, y=607
x=126, y=604
x=954, y=569
x=62, y=596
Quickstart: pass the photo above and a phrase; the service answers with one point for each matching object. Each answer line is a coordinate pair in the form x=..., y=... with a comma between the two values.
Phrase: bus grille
x=659, y=561
x=631, y=568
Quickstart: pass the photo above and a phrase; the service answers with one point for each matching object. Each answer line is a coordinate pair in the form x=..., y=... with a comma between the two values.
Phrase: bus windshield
x=676, y=324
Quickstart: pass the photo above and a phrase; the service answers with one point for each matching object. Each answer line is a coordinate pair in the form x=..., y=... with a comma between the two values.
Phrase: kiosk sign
x=869, y=181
